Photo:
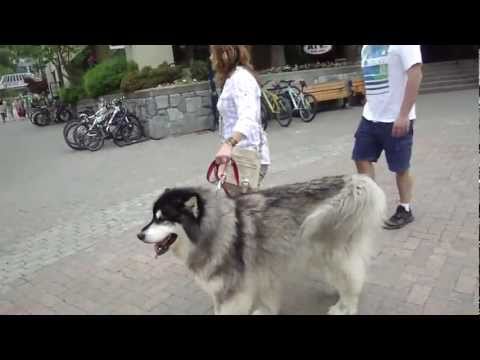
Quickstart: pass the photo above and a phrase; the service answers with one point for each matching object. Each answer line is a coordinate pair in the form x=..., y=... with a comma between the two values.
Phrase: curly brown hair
x=225, y=58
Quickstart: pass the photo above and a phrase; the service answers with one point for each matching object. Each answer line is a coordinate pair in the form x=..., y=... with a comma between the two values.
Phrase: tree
x=58, y=55
x=26, y=51
x=6, y=66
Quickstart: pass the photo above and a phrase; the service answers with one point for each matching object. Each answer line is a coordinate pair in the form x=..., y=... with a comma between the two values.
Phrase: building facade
x=267, y=56
x=149, y=55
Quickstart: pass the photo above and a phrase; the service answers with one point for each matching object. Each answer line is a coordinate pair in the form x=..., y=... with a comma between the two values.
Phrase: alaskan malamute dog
x=240, y=249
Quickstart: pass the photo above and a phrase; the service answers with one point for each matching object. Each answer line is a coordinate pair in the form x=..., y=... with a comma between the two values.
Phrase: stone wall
x=186, y=109
x=169, y=111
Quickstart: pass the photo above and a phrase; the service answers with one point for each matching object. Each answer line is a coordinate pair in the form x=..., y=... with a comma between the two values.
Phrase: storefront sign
x=317, y=49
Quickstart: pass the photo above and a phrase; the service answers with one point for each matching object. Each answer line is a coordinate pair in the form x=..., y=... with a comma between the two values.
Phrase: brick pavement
x=87, y=261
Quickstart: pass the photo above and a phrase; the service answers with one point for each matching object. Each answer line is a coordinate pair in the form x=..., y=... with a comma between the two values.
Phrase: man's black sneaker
x=401, y=218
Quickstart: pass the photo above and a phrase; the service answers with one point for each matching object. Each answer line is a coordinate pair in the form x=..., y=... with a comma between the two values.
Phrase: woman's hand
x=222, y=158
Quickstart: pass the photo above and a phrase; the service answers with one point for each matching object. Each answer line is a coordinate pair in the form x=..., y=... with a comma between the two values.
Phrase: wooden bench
x=332, y=90
x=358, y=87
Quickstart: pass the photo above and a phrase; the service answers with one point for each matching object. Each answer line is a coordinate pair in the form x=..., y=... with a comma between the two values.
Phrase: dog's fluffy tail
x=361, y=203
x=360, y=214
x=352, y=218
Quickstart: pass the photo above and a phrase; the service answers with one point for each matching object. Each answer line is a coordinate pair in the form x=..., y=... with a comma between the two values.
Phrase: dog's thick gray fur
x=240, y=249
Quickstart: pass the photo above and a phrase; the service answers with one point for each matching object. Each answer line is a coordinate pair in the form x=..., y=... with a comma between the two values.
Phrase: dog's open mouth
x=162, y=247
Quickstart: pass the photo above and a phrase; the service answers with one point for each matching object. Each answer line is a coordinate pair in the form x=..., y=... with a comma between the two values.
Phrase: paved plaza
x=68, y=219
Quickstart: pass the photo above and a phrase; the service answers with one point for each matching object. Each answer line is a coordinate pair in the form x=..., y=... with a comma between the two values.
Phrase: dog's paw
x=263, y=311
x=335, y=310
x=340, y=309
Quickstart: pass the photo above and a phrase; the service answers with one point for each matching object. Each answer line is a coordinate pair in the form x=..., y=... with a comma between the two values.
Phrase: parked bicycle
x=111, y=121
x=43, y=116
x=275, y=106
x=303, y=104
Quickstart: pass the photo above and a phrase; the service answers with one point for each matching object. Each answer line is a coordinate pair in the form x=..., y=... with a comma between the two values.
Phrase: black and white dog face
x=172, y=212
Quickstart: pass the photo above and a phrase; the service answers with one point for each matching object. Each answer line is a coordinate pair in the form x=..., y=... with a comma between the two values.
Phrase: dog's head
x=172, y=212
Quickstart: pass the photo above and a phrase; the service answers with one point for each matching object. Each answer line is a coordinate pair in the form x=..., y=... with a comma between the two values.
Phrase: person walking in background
x=238, y=105
x=213, y=95
x=9, y=107
x=392, y=74
x=14, y=109
x=3, y=110
x=20, y=108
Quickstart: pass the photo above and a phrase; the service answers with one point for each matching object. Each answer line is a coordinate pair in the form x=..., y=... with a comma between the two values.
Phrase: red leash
x=214, y=178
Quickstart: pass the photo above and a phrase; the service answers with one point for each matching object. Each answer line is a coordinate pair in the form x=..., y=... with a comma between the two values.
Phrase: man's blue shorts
x=373, y=137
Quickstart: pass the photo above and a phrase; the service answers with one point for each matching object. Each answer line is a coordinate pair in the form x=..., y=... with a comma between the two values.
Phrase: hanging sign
x=317, y=49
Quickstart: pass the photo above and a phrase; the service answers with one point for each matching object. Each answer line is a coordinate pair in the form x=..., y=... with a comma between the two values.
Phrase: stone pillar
x=278, y=55
x=352, y=52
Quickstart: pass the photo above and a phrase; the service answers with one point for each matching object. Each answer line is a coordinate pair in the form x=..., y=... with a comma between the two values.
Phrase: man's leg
x=366, y=149
x=398, y=153
x=404, y=185
x=365, y=167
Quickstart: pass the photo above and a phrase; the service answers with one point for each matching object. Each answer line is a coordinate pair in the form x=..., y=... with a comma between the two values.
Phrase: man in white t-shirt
x=392, y=75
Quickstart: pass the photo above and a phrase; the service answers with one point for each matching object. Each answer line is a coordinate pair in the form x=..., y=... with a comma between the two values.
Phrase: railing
x=14, y=81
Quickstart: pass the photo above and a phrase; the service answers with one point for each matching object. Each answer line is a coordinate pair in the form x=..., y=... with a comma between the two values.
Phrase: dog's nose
x=141, y=236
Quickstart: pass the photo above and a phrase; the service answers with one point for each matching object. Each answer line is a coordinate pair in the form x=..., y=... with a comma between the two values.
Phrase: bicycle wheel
x=69, y=135
x=137, y=130
x=64, y=115
x=126, y=134
x=283, y=113
x=41, y=119
x=94, y=139
x=80, y=133
x=308, y=108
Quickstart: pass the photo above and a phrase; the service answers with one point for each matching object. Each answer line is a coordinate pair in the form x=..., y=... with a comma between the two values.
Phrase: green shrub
x=72, y=94
x=132, y=66
x=199, y=70
x=5, y=58
x=146, y=71
x=105, y=77
x=5, y=70
x=150, y=78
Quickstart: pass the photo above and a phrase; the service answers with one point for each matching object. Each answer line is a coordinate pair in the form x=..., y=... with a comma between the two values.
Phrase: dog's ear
x=192, y=205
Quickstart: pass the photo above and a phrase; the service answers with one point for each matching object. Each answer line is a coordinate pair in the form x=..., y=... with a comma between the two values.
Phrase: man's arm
x=414, y=75
x=414, y=79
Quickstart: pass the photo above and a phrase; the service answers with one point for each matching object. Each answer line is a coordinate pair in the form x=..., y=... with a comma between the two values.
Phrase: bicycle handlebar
x=277, y=88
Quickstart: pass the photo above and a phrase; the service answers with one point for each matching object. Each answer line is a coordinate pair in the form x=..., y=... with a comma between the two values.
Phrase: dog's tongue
x=160, y=248
x=163, y=246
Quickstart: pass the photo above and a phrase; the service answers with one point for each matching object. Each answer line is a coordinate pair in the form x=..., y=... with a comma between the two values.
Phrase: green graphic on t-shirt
x=375, y=69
